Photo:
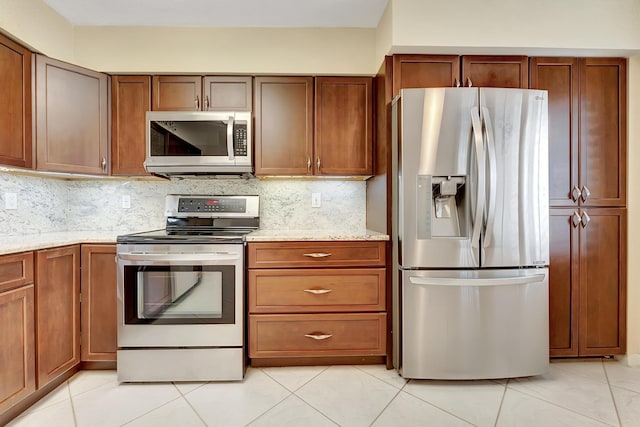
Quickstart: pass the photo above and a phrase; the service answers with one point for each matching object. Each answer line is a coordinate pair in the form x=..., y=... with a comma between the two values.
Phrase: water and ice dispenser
x=442, y=203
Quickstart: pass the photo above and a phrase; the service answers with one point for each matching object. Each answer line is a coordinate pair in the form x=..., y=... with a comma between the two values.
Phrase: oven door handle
x=209, y=256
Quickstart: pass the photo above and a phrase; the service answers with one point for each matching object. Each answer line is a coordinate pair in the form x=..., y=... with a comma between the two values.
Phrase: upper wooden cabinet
x=71, y=118
x=285, y=143
x=16, y=145
x=283, y=131
x=495, y=71
x=343, y=126
x=130, y=100
x=415, y=71
x=57, y=311
x=587, y=129
x=197, y=93
x=98, y=288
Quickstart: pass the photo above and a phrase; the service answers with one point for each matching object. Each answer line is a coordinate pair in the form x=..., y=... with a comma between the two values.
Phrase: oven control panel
x=213, y=204
x=206, y=206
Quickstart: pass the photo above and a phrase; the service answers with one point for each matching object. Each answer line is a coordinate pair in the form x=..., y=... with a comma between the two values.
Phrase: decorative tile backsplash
x=48, y=204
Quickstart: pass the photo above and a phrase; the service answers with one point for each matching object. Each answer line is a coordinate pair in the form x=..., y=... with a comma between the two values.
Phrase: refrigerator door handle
x=493, y=177
x=457, y=281
x=476, y=124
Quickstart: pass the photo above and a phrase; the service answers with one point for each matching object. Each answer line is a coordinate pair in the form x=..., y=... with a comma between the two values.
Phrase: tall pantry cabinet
x=587, y=199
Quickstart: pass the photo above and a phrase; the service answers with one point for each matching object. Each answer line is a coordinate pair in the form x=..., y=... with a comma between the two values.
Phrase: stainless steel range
x=180, y=292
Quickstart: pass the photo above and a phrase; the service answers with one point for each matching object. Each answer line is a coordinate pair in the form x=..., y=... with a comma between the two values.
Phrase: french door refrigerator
x=470, y=229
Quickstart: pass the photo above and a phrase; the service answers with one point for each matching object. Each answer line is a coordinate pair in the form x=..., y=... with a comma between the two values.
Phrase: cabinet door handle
x=308, y=163
x=585, y=219
x=318, y=336
x=585, y=193
x=469, y=83
x=206, y=103
x=457, y=82
x=318, y=164
x=575, y=193
x=317, y=255
x=197, y=102
x=318, y=291
x=575, y=219
x=103, y=163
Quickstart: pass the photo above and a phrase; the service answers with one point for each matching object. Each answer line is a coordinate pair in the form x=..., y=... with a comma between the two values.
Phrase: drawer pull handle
x=318, y=336
x=317, y=255
x=318, y=291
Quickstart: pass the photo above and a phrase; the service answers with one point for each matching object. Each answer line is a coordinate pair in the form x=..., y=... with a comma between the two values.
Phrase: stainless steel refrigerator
x=471, y=233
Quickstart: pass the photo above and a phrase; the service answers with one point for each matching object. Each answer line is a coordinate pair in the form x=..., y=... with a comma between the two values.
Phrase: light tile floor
x=572, y=393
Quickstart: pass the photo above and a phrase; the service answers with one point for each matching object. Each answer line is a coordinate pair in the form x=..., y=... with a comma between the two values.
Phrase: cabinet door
x=284, y=125
x=71, y=118
x=57, y=311
x=177, y=93
x=603, y=267
x=413, y=71
x=99, y=324
x=130, y=100
x=17, y=346
x=495, y=71
x=222, y=93
x=343, y=115
x=563, y=281
x=603, y=127
x=16, y=145
x=559, y=76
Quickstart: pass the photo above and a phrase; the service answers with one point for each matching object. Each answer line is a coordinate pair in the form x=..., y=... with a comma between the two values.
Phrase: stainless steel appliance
x=181, y=292
x=183, y=143
x=470, y=230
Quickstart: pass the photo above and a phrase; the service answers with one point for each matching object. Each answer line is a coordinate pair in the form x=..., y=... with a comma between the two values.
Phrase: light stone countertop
x=32, y=242
x=311, y=235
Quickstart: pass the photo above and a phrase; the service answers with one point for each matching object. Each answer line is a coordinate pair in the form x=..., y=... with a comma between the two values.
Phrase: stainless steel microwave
x=183, y=143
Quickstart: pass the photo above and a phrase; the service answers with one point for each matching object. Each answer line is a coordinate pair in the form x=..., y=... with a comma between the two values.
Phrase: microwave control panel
x=240, y=139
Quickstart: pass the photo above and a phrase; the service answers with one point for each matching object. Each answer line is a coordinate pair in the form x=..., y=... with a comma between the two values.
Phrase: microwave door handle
x=230, y=139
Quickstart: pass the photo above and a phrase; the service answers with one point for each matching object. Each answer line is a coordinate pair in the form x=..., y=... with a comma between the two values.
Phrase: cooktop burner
x=203, y=219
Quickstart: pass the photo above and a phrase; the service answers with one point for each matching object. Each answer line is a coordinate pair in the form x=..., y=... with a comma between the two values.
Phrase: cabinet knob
x=206, y=103
x=575, y=219
x=457, y=82
x=585, y=219
x=318, y=163
x=575, y=193
x=469, y=83
x=197, y=103
x=308, y=163
x=103, y=163
x=585, y=193
x=318, y=336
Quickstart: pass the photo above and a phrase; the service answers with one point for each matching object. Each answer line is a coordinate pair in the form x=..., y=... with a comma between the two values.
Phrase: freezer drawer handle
x=318, y=291
x=318, y=336
x=455, y=281
x=317, y=255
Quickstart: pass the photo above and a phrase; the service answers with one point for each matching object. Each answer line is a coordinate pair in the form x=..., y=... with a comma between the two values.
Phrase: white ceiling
x=222, y=13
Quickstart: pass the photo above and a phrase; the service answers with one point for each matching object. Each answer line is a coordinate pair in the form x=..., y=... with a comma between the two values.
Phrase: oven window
x=179, y=294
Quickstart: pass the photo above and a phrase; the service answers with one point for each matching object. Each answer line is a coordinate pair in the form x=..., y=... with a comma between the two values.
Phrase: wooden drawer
x=316, y=254
x=16, y=270
x=292, y=335
x=316, y=290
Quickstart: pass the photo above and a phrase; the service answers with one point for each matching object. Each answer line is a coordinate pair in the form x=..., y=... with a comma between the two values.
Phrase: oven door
x=180, y=295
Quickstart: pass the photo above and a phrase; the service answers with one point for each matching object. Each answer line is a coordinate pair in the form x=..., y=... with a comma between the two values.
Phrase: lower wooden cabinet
x=316, y=299
x=587, y=286
x=57, y=311
x=17, y=345
x=99, y=324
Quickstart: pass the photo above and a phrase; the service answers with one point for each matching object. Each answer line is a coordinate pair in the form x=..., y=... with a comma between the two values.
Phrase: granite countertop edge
x=30, y=242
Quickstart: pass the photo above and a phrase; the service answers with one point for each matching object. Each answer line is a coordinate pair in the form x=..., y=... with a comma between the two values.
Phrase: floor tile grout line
x=316, y=409
x=435, y=406
x=559, y=406
x=380, y=379
x=504, y=393
x=385, y=407
x=299, y=387
x=73, y=408
x=151, y=410
x=613, y=398
x=194, y=410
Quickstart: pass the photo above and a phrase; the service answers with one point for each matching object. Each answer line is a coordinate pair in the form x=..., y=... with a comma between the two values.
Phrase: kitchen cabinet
x=130, y=100
x=16, y=143
x=416, y=71
x=295, y=135
x=71, y=118
x=283, y=131
x=197, y=93
x=57, y=279
x=98, y=313
x=343, y=126
x=316, y=299
x=17, y=330
x=587, y=176
x=587, y=287
x=587, y=129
